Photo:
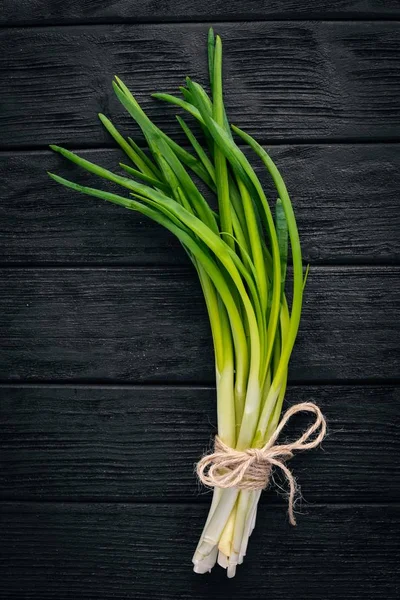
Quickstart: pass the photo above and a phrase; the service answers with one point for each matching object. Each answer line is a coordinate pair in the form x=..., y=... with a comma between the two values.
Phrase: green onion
x=240, y=254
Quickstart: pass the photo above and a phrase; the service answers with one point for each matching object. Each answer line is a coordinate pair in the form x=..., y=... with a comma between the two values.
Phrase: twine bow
x=251, y=469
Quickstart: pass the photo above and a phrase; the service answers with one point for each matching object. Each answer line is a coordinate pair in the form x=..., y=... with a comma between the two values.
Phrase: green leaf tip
x=306, y=276
x=67, y=153
x=55, y=177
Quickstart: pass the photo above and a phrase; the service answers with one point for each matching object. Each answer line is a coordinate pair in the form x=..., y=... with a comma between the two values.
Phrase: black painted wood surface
x=93, y=324
x=133, y=443
x=99, y=551
x=342, y=214
x=106, y=369
x=97, y=11
x=293, y=80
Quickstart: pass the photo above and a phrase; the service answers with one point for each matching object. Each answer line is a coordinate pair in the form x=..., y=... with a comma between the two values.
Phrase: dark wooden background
x=106, y=368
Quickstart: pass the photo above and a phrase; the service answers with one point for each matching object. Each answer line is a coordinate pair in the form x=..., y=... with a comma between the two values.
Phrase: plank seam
x=312, y=18
x=357, y=267
x=374, y=140
x=77, y=266
x=189, y=503
x=54, y=384
x=118, y=384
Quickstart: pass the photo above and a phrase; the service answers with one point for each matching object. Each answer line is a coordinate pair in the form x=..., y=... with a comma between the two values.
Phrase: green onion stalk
x=240, y=252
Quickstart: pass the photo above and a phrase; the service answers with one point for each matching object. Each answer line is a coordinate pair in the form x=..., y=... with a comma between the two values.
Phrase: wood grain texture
x=132, y=325
x=140, y=443
x=342, y=214
x=283, y=81
x=106, y=359
x=96, y=11
x=122, y=551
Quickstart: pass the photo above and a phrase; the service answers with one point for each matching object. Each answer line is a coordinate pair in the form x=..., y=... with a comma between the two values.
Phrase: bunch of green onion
x=240, y=253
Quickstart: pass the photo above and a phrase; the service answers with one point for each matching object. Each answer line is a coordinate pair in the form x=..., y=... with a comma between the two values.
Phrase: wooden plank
x=140, y=443
x=284, y=81
x=86, y=11
x=150, y=325
x=346, y=201
x=99, y=551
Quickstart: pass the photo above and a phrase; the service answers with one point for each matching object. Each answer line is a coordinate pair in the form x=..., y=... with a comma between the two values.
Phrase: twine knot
x=251, y=469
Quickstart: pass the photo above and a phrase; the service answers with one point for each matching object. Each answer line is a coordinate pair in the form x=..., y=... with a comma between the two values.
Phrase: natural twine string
x=251, y=469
